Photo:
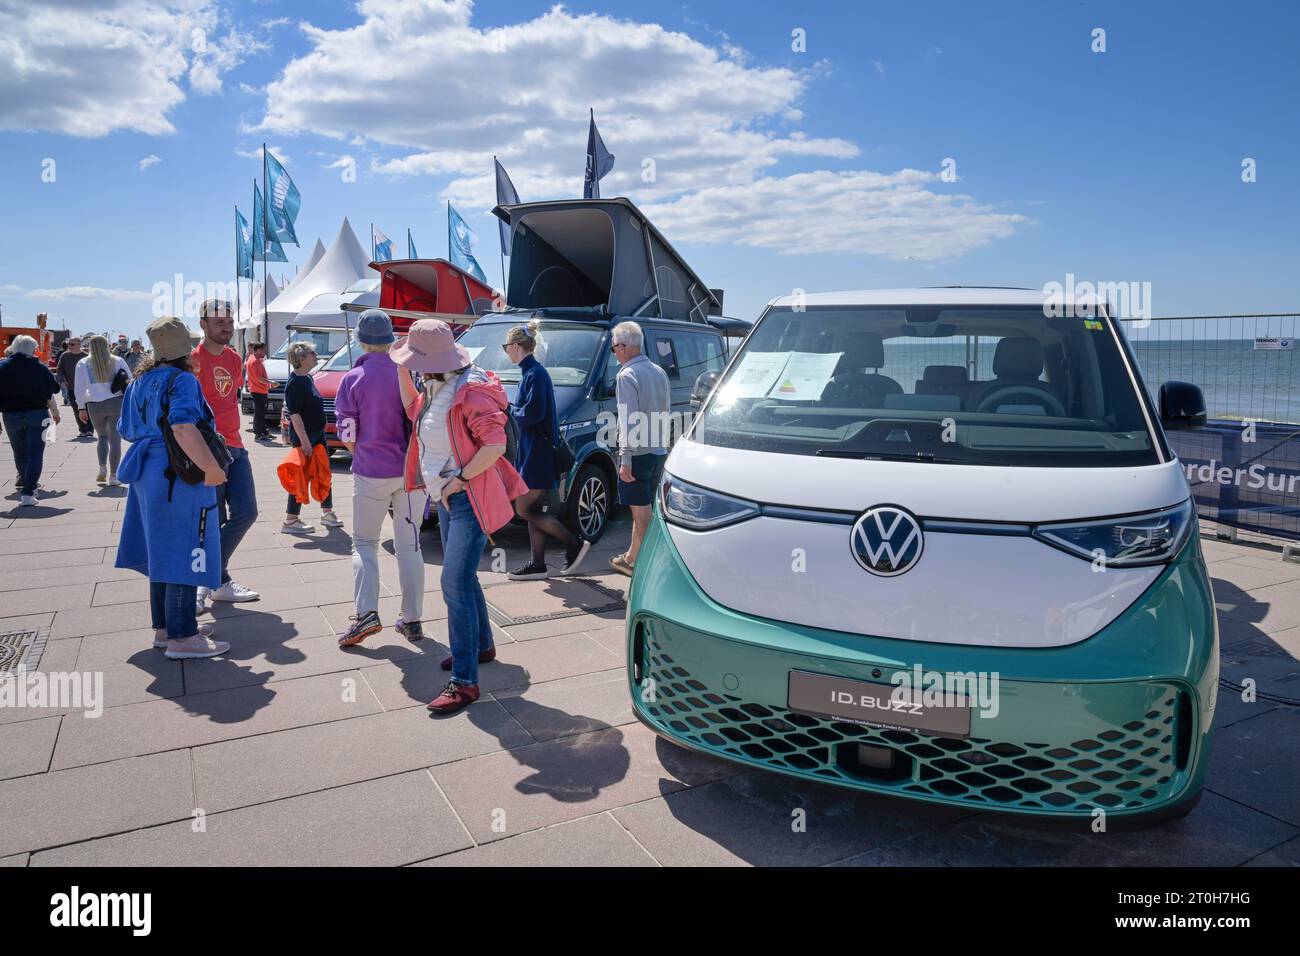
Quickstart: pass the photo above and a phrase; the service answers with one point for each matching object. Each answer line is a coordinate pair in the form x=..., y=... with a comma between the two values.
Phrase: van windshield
x=567, y=349
x=324, y=342
x=973, y=385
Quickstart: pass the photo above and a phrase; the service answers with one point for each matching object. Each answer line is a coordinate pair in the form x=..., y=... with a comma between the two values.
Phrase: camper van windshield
x=567, y=349
x=325, y=343
x=978, y=385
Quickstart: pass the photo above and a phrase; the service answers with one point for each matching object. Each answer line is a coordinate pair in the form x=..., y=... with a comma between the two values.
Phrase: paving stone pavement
x=292, y=751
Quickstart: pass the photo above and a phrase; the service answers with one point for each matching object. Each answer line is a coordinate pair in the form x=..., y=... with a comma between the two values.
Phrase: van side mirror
x=703, y=385
x=1182, y=406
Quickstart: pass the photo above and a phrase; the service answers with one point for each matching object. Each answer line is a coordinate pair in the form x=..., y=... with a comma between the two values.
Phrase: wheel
x=590, y=504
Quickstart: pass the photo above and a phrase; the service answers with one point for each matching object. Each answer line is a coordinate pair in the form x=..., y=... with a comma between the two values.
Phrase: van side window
x=664, y=351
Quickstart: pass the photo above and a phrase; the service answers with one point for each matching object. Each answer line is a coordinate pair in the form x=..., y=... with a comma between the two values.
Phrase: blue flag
x=243, y=247
x=381, y=245
x=506, y=196
x=460, y=245
x=599, y=162
x=283, y=200
x=264, y=249
x=410, y=247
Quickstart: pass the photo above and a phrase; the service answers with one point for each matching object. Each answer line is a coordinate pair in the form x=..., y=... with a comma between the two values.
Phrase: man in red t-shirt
x=259, y=386
x=221, y=374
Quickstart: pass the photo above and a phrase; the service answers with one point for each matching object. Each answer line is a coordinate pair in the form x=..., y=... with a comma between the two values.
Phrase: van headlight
x=1128, y=542
x=700, y=509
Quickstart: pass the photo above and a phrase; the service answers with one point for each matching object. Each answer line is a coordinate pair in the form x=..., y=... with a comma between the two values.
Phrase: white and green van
x=933, y=543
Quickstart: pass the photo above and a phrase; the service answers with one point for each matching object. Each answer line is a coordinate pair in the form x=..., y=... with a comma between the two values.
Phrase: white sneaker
x=235, y=593
x=330, y=520
x=113, y=482
x=201, y=600
x=102, y=477
x=27, y=500
x=296, y=527
x=160, y=634
x=195, y=646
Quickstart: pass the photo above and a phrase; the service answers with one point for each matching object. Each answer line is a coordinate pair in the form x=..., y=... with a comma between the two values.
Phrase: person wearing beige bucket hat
x=456, y=453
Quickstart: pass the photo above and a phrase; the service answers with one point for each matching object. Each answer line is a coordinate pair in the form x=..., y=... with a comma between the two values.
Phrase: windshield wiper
x=925, y=457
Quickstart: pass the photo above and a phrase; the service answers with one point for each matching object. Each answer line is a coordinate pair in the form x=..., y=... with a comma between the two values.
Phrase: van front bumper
x=1119, y=721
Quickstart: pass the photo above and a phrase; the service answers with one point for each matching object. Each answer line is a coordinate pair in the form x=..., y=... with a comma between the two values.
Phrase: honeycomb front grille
x=1126, y=768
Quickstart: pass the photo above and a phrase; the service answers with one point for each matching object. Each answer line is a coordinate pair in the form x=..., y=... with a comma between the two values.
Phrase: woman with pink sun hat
x=456, y=454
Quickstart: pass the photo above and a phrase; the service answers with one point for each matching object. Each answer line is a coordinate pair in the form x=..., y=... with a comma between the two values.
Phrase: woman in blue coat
x=534, y=414
x=170, y=528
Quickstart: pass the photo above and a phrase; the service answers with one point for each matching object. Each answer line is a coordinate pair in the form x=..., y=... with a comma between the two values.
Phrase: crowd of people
x=427, y=430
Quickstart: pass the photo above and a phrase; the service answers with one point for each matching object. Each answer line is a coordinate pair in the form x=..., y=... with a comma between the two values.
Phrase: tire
x=591, y=503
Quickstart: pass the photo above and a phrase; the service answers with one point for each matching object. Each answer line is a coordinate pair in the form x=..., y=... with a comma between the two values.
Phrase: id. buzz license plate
x=864, y=702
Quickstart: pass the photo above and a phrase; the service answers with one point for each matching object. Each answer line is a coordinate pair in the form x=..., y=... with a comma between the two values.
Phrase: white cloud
x=256, y=153
x=891, y=215
x=880, y=67
x=89, y=68
x=150, y=160
x=713, y=125
x=88, y=292
x=219, y=56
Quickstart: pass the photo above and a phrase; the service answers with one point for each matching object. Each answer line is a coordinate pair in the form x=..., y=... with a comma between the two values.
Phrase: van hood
x=277, y=370
x=929, y=490
x=990, y=589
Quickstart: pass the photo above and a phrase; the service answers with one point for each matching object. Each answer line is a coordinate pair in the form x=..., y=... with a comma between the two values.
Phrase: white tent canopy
x=313, y=257
x=251, y=306
x=342, y=264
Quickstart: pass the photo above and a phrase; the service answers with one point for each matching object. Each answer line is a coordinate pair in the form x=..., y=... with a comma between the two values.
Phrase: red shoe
x=484, y=656
x=453, y=697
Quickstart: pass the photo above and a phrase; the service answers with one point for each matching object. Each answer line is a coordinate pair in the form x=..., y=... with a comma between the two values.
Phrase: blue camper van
x=580, y=267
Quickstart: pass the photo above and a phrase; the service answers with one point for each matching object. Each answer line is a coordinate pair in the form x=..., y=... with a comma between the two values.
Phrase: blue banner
x=243, y=247
x=506, y=196
x=283, y=201
x=1244, y=475
x=381, y=246
x=460, y=245
x=599, y=161
x=263, y=248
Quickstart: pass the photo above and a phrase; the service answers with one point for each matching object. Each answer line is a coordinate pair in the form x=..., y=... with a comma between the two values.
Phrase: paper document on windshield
x=756, y=375
x=805, y=376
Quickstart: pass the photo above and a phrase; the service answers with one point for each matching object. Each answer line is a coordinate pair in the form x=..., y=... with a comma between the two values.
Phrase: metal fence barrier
x=1246, y=365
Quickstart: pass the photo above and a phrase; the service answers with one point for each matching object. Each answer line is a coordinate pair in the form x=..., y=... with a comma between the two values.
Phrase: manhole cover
x=16, y=648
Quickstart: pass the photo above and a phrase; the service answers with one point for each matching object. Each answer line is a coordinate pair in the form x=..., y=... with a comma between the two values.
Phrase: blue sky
x=775, y=169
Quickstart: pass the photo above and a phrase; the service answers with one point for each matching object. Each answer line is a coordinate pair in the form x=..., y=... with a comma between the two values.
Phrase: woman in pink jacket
x=456, y=455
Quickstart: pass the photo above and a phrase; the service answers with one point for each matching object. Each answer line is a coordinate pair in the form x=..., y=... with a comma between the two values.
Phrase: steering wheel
x=1040, y=396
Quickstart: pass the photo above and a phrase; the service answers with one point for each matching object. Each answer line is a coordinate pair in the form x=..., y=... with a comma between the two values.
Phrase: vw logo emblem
x=887, y=540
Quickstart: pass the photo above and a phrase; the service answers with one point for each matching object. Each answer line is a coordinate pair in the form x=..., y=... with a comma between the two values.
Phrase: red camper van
x=410, y=289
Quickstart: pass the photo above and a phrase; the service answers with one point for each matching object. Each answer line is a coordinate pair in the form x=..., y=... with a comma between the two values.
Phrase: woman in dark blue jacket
x=534, y=414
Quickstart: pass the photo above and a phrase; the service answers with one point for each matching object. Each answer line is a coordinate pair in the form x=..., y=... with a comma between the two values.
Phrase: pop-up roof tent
x=412, y=289
x=600, y=254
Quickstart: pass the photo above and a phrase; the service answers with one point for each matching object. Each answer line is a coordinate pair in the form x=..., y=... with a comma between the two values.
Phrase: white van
x=933, y=543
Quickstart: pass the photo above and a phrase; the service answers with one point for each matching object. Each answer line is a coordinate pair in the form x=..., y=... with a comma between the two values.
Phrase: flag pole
x=237, y=275
x=266, y=202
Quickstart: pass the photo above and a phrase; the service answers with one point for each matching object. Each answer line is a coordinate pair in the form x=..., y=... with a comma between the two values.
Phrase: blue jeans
x=237, y=506
x=27, y=438
x=172, y=608
x=467, y=615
